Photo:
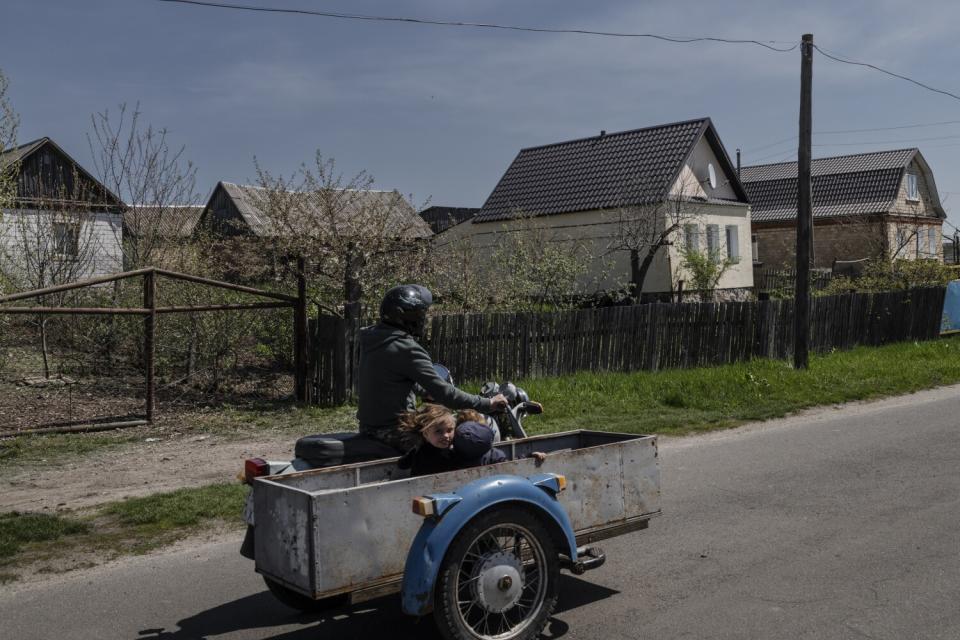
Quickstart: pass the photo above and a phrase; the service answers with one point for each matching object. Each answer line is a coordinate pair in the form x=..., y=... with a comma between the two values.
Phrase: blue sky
x=440, y=112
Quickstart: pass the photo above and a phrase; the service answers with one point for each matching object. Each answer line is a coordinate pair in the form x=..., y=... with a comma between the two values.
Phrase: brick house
x=864, y=205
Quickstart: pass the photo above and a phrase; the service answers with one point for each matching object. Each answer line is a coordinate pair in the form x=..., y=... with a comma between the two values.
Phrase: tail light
x=254, y=468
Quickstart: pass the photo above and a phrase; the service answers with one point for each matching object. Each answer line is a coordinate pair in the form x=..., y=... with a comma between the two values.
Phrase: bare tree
x=647, y=229
x=157, y=183
x=357, y=241
x=525, y=264
x=9, y=122
x=49, y=239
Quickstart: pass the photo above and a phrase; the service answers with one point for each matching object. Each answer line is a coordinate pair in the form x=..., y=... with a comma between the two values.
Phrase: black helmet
x=405, y=307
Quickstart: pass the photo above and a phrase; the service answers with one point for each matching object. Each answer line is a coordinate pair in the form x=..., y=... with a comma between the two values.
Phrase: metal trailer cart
x=485, y=554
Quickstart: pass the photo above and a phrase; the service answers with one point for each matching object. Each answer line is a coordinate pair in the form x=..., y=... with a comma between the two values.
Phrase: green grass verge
x=177, y=509
x=132, y=526
x=19, y=529
x=681, y=401
x=53, y=447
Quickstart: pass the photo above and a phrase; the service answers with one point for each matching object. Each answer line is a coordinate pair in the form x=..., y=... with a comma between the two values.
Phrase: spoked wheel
x=499, y=579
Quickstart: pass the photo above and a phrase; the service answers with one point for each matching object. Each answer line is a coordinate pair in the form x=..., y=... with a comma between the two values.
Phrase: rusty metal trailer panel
x=347, y=529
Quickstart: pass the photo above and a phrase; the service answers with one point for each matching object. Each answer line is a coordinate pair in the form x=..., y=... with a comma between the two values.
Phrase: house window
x=754, y=247
x=713, y=241
x=901, y=243
x=66, y=238
x=691, y=237
x=733, y=244
x=932, y=242
x=913, y=193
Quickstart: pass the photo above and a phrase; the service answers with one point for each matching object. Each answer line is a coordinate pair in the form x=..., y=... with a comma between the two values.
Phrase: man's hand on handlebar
x=499, y=402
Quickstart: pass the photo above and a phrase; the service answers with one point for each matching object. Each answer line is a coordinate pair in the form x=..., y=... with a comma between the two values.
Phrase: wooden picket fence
x=645, y=337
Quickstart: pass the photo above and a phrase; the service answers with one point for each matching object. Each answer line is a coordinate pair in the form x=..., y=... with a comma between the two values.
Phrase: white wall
x=597, y=230
x=101, y=232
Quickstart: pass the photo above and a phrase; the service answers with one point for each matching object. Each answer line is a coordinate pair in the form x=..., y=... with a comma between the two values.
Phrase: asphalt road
x=843, y=523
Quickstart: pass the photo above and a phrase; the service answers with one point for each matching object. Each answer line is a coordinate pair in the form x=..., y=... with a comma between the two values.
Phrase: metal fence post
x=301, y=355
x=149, y=337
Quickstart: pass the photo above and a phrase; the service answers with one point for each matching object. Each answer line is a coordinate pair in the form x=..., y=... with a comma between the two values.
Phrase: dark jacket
x=391, y=362
x=472, y=447
x=426, y=459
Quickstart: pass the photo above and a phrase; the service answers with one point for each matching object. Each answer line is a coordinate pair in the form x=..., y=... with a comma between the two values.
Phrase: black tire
x=300, y=602
x=477, y=597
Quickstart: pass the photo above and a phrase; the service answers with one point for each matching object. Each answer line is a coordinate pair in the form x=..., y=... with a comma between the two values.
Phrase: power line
x=772, y=144
x=868, y=130
x=903, y=126
x=889, y=73
x=480, y=25
x=901, y=141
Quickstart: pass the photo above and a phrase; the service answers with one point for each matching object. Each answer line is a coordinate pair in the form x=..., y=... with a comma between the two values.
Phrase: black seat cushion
x=331, y=449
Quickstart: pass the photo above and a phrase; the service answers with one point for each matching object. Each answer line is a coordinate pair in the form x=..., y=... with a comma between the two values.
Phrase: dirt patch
x=164, y=463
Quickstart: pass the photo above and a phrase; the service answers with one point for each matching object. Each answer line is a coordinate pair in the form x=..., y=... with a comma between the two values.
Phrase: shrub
x=896, y=275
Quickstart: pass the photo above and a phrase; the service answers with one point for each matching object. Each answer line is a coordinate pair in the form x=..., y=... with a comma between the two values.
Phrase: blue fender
x=456, y=509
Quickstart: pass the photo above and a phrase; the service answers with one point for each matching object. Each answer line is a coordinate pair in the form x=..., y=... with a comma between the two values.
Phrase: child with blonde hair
x=443, y=441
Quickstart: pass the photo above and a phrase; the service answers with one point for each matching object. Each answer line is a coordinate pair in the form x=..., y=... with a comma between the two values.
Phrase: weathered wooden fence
x=644, y=337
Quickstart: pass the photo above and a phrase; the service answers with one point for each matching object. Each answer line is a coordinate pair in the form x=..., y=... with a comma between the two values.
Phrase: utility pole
x=801, y=319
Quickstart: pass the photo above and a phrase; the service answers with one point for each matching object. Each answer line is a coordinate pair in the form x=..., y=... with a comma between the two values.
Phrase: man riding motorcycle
x=392, y=362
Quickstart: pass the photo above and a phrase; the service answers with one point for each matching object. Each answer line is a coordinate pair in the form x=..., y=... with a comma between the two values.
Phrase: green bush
x=886, y=275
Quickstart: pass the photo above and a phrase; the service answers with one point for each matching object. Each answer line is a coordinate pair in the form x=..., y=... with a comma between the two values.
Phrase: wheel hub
x=499, y=581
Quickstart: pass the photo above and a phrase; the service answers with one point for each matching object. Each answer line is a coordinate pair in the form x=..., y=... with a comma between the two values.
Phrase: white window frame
x=913, y=187
x=733, y=243
x=755, y=247
x=691, y=237
x=932, y=242
x=901, y=240
x=713, y=241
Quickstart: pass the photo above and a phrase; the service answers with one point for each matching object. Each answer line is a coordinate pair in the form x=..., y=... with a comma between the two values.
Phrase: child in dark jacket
x=442, y=441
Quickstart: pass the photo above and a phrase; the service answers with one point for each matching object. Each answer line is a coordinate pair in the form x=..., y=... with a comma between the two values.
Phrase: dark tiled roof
x=896, y=159
x=856, y=184
x=607, y=171
x=442, y=218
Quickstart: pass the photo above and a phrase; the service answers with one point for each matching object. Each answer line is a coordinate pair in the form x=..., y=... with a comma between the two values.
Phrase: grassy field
x=670, y=402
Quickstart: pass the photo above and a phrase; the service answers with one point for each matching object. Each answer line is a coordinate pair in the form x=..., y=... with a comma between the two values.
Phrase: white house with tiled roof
x=601, y=194
x=864, y=205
